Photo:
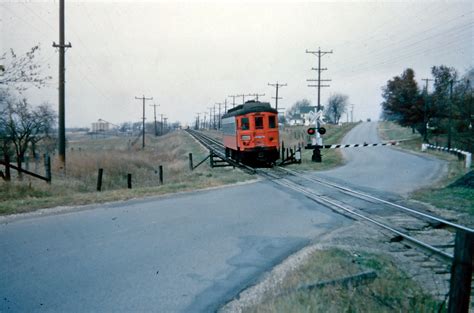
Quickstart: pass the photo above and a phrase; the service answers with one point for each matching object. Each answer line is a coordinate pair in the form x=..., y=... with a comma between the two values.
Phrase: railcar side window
x=271, y=121
x=258, y=122
x=245, y=123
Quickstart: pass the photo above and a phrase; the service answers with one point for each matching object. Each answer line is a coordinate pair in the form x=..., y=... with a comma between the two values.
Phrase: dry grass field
x=292, y=136
x=118, y=157
x=390, y=291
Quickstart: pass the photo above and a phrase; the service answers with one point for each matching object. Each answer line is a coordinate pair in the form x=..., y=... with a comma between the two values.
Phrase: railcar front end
x=251, y=133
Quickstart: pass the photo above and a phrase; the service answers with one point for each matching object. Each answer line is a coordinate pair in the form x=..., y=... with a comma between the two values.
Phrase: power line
x=256, y=95
x=233, y=99
x=243, y=97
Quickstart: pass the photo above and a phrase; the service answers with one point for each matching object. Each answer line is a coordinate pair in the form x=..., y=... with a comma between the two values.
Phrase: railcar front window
x=271, y=121
x=245, y=123
x=258, y=122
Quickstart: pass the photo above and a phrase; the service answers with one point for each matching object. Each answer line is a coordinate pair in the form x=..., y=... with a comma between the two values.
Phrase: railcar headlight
x=245, y=137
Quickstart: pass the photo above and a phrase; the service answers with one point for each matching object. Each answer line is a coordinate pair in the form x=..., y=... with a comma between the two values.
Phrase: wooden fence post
x=129, y=181
x=99, y=179
x=191, y=161
x=211, y=159
x=282, y=148
x=461, y=272
x=8, y=176
x=47, y=167
x=160, y=173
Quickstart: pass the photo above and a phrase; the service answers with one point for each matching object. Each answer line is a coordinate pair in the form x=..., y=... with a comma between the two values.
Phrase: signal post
x=315, y=144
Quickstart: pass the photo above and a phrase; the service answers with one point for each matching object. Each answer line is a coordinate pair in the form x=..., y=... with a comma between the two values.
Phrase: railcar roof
x=250, y=107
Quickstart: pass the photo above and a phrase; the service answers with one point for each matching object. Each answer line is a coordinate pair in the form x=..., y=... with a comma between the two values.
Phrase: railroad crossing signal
x=312, y=130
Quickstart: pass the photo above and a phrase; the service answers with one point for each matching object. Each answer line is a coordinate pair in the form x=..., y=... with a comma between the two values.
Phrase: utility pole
x=204, y=122
x=219, y=116
x=225, y=105
x=277, y=86
x=318, y=140
x=233, y=99
x=166, y=123
x=425, y=110
x=154, y=105
x=243, y=97
x=352, y=113
x=450, y=113
x=62, y=81
x=210, y=118
x=256, y=95
x=143, y=126
x=319, y=54
x=161, y=121
x=197, y=121
x=214, y=124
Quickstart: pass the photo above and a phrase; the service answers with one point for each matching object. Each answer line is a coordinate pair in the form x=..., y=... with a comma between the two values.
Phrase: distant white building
x=100, y=126
x=302, y=117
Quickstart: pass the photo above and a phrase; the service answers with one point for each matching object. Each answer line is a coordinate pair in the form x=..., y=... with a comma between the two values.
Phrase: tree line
x=442, y=114
x=22, y=125
x=333, y=110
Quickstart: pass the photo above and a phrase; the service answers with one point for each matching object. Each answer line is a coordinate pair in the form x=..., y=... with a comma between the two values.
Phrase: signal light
x=312, y=130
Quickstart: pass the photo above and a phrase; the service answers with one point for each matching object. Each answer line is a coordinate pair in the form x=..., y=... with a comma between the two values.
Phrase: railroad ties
x=217, y=155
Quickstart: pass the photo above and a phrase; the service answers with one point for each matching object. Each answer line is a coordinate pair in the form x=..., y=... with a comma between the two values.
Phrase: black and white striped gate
x=357, y=145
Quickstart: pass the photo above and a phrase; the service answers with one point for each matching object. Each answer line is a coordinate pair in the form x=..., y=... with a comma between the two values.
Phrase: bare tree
x=297, y=108
x=23, y=125
x=16, y=71
x=337, y=105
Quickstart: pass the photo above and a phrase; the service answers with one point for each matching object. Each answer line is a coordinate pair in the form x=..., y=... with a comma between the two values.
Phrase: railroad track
x=406, y=223
x=433, y=235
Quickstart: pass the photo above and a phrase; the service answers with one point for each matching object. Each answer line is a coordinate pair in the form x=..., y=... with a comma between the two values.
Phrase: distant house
x=302, y=116
x=100, y=126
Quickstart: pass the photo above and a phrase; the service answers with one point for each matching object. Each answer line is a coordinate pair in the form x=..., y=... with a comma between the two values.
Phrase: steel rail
x=401, y=207
x=211, y=144
x=325, y=201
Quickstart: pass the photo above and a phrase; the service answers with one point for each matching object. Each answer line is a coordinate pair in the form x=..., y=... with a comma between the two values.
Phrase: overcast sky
x=190, y=55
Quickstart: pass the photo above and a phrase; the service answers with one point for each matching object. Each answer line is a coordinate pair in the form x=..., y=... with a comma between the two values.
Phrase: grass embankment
x=445, y=194
x=296, y=135
x=390, y=291
x=118, y=157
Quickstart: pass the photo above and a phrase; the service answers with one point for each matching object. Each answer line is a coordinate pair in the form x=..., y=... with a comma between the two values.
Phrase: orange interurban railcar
x=250, y=133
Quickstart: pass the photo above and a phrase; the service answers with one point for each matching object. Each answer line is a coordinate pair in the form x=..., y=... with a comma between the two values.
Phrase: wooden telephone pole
x=62, y=94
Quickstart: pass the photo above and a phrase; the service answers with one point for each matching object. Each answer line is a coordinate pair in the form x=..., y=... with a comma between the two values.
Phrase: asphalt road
x=383, y=168
x=184, y=253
